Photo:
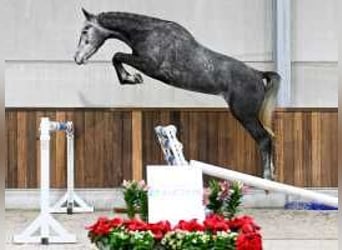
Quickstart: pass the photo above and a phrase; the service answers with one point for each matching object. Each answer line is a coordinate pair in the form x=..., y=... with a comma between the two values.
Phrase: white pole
x=264, y=184
x=45, y=176
x=282, y=37
x=70, y=167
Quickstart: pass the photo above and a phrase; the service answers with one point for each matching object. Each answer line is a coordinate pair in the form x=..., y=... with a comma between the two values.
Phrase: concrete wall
x=42, y=37
x=314, y=53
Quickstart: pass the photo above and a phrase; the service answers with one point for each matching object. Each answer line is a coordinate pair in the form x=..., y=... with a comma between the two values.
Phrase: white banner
x=175, y=193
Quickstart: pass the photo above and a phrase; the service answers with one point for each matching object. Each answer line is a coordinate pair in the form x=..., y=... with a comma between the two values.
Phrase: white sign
x=175, y=193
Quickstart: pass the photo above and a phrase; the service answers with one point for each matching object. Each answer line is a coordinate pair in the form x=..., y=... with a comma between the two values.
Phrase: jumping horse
x=166, y=51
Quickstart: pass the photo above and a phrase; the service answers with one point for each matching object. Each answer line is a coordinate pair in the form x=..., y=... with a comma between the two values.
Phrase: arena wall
x=116, y=144
x=114, y=123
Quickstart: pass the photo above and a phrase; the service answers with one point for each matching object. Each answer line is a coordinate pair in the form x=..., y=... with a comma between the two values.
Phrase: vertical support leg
x=45, y=178
x=70, y=167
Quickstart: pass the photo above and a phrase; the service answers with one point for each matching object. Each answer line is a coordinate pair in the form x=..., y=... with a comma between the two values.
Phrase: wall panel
x=51, y=29
x=305, y=147
x=102, y=148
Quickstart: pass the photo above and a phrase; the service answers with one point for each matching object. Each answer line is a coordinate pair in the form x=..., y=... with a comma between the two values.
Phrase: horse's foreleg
x=123, y=75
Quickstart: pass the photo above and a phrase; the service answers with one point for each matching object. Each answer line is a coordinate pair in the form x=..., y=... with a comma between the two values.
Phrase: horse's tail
x=270, y=99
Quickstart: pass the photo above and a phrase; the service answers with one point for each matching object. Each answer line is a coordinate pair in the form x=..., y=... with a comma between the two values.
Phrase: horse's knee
x=116, y=59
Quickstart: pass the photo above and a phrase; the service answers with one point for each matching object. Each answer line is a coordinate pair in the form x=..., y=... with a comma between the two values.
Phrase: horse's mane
x=110, y=20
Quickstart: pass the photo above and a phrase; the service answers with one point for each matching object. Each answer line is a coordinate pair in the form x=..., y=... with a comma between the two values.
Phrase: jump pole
x=264, y=184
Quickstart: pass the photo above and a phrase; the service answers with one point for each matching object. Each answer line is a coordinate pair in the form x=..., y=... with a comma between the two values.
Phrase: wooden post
x=137, y=167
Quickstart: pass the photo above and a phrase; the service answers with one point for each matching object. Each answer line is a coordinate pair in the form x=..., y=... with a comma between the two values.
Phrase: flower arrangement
x=215, y=232
x=135, y=196
x=220, y=230
x=224, y=198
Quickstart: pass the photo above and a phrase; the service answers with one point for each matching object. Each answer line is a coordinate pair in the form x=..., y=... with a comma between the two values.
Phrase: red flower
x=248, y=228
x=215, y=223
x=245, y=223
x=249, y=237
x=190, y=226
x=136, y=225
x=249, y=241
x=159, y=229
x=116, y=222
x=101, y=227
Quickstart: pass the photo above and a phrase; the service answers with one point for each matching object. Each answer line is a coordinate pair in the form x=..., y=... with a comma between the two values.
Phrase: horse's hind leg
x=123, y=75
x=246, y=111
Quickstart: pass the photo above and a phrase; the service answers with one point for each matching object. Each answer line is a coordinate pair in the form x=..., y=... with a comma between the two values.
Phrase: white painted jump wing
x=264, y=184
x=70, y=202
x=45, y=229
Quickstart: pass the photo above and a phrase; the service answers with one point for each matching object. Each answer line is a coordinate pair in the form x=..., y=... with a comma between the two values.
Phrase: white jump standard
x=264, y=184
x=70, y=202
x=45, y=229
x=171, y=147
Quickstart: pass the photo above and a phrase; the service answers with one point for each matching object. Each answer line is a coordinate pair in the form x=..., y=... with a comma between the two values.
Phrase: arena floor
x=281, y=229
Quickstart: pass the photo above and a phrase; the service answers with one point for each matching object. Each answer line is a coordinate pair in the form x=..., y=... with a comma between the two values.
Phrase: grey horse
x=166, y=51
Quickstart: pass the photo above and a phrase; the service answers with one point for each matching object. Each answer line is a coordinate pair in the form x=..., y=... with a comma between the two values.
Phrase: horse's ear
x=88, y=15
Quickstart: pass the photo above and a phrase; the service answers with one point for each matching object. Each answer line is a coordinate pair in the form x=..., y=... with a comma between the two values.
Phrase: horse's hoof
x=268, y=176
x=138, y=78
x=131, y=79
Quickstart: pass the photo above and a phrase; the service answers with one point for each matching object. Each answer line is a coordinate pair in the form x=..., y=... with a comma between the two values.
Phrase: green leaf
x=231, y=205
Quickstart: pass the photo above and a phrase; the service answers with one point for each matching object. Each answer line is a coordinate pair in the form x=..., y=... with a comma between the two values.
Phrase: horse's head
x=91, y=39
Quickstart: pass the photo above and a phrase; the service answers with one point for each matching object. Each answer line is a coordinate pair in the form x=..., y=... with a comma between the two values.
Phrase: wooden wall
x=103, y=148
x=116, y=144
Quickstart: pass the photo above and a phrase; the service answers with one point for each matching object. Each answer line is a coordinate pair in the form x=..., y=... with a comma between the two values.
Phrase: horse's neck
x=124, y=23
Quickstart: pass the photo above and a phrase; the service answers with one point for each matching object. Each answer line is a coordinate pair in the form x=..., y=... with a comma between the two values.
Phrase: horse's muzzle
x=78, y=60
